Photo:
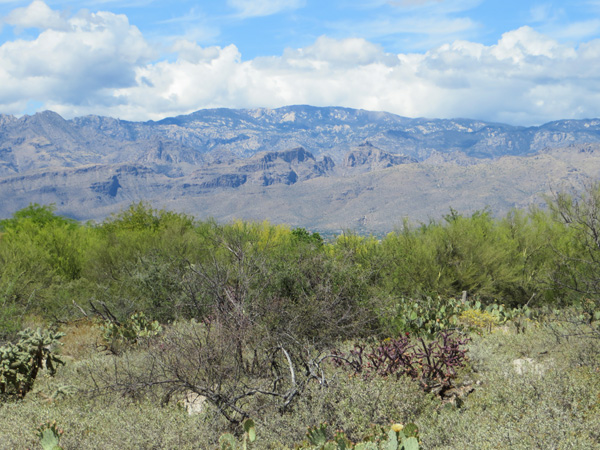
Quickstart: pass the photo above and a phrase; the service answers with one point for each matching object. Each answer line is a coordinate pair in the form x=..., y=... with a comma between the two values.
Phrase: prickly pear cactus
x=249, y=432
x=398, y=437
x=135, y=328
x=21, y=362
x=228, y=442
x=50, y=435
x=317, y=436
x=408, y=437
x=366, y=446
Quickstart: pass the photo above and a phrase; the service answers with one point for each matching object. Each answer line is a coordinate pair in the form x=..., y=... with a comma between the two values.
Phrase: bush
x=490, y=259
x=137, y=327
x=21, y=362
x=432, y=364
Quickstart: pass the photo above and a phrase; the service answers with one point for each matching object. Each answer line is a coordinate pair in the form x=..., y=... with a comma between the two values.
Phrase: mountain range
x=326, y=169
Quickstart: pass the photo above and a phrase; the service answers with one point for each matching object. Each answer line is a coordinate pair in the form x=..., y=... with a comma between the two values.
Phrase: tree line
x=171, y=266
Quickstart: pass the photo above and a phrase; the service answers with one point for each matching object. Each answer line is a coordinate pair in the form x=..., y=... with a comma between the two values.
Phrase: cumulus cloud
x=256, y=8
x=524, y=78
x=100, y=64
x=73, y=61
x=341, y=53
x=37, y=15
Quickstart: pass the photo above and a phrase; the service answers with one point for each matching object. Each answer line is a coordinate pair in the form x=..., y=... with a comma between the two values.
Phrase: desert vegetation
x=155, y=330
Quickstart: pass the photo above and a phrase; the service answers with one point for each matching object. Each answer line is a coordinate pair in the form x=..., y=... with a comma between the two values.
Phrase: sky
x=518, y=62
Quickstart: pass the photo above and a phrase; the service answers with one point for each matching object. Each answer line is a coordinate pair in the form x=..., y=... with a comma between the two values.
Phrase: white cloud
x=524, y=43
x=101, y=64
x=341, y=53
x=524, y=78
x=37, y=15
x=74, y=61
x=257, y=8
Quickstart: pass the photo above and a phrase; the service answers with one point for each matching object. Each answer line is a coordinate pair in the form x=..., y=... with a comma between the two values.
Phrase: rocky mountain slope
x=322, y=168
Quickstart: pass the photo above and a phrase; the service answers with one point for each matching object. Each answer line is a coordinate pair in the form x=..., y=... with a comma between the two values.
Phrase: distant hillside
x=326, y=168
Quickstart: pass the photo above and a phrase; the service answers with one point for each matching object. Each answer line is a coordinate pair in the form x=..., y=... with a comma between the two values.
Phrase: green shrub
x=489, y=258
x=135, y=328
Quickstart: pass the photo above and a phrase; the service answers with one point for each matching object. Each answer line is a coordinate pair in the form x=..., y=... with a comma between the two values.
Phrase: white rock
x=528, y=365
x=194, y=403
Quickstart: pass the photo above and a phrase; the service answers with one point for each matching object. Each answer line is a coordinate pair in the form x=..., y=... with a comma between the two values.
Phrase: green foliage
x=228, y=442
x=50, y=435
x=577, y=253
x=142, y=217
x=134, y=329
x=398, y=437
x=428, y=316
x=137, y=261
x=41, y=257
x=317, y=435
x=424, y=316
x=40, y=216
x=21, y=362
x=268, y=304
x=171, y=267
x=44, y=238
x=302, y=235
x=488, y=258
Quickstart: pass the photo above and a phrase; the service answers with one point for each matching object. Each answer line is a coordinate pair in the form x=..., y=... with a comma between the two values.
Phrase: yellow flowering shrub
x=478, y=319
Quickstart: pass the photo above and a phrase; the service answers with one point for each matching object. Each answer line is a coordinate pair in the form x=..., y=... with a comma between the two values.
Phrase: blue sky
x=521, y=62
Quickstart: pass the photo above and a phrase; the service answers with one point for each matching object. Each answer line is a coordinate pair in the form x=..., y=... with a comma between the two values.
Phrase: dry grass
x=81, y=340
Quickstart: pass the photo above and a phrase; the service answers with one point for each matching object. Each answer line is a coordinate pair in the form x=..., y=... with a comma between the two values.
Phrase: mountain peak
x=222, y=162
x=47, y=115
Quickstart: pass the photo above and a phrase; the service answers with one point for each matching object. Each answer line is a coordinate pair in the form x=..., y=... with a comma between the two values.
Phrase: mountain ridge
x=335, y=167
